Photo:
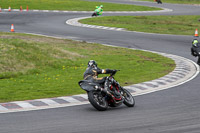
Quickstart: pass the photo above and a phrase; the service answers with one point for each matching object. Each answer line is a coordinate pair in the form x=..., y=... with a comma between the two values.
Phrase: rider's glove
x=114, y=71
x=110, y=71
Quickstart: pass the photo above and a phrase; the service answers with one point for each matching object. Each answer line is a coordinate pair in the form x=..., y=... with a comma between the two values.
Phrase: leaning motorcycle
x=97, y=13
x=195, y=51
x=159, y=1
x=102, y=98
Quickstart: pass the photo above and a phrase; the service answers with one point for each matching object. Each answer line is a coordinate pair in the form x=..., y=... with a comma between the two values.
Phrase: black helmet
x=92, y=63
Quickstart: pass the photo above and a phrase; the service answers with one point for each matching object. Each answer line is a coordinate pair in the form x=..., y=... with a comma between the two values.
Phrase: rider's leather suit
x=195, y=49
x=91, y=73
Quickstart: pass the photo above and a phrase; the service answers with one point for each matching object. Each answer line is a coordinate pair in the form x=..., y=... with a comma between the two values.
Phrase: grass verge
x=33, y=67
x=177, y=1
x=178, y=25
x=73, y=5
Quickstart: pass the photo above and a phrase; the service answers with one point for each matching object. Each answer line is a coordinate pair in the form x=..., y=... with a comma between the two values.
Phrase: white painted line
x=45, y=10
x=132, y=88
x=144, y=86
x=153, y=83
x=2, y=108
x=24, y=104
x=85, y=96
x=105, y=28
x=111, y=28
x=15, y=10
x=48, y=101
x=69, y=99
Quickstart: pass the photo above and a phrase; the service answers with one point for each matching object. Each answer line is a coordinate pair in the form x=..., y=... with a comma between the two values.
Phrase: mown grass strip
x=33, y=67
x=177, y=1
x=178, y=25
x=72, y=5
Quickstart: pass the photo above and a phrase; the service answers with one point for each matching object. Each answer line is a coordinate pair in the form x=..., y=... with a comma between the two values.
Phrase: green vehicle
x=98, y=11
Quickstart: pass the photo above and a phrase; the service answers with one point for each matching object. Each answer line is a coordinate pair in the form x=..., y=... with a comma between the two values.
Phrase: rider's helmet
x=195, y=42
x=101, y=6
x=92, y=63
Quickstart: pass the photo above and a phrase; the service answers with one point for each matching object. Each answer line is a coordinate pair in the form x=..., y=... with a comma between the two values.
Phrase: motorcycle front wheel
x=129, y=99
x=94, y=14
x=97, y=100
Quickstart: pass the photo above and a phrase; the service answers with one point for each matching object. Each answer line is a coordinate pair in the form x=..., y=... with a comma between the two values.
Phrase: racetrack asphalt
x=174, y=110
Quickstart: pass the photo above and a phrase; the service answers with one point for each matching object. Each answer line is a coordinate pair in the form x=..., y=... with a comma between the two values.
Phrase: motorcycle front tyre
x=94, y=14
x=97, y=100
x=129, y=100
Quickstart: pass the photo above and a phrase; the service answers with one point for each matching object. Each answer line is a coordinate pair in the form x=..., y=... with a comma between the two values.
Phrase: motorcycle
x=96, y=14
x=102, y=98
x=195, y=51
x=159, y=1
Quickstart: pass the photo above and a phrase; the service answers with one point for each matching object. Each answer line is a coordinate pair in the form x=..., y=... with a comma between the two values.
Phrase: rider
x=195, y=45
x=99, y=9
x=92, y=72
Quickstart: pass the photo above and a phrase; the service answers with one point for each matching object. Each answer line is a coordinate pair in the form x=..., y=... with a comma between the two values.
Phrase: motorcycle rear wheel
x=97, y=100
x=129, y=100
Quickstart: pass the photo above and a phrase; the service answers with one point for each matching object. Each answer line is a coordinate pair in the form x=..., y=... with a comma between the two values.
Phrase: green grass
x=179, y=25
x=177, y=1
x=33, y=67
x=74, y=5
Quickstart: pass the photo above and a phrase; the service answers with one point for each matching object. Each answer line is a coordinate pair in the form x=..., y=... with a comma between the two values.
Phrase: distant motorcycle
x=195, y=51
x=101, y=98
x=95, y=14
x=159, y=1
x=98, y=11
